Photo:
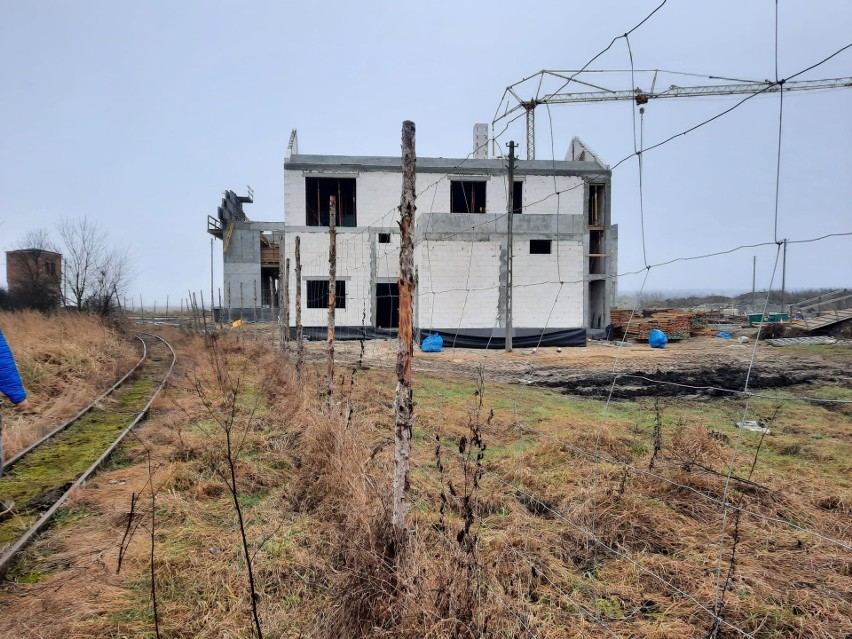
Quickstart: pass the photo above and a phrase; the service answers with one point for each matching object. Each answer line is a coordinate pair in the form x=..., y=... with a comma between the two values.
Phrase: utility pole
x=404, y=402
x=332, y=297
x=510, y=213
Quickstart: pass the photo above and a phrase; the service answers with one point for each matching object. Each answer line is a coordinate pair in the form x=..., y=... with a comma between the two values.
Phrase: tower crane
x=640, y=96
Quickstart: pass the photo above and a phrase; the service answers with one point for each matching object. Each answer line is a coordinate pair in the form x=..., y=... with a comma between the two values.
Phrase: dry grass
x=314, y=488
x=65, y=362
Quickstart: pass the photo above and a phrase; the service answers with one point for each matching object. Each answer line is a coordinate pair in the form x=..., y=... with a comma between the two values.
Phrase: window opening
x=518, y=197
x=596, y=204
x=539, y=247
x=318, y=294
x=384, y=238
x=317, y=193
x=467, y=196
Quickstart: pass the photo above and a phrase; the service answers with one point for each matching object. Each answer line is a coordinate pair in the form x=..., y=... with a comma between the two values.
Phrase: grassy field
x=533, y=513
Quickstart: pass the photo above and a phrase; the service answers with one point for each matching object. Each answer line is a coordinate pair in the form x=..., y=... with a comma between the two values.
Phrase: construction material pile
x=676, y=324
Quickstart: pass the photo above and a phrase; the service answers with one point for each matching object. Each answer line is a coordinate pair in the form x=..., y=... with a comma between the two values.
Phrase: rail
x=9, y=554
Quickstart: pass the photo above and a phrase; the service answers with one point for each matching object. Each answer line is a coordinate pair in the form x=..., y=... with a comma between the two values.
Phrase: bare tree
x=85, y=248
x=109, y=283
x=96, y=274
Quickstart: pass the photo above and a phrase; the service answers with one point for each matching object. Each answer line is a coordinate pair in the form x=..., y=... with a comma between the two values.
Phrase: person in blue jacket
x=12, y=387
x=10, y=380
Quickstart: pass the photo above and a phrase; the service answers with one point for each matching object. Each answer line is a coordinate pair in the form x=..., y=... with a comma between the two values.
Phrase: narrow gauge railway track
x=40, y=478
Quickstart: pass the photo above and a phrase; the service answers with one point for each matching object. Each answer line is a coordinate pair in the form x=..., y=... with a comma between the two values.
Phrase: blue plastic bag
x=657, y=339
x=432, y=344
x=724, y=335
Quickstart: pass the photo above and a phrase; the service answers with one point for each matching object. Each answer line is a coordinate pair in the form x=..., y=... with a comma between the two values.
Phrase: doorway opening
x=387, y=305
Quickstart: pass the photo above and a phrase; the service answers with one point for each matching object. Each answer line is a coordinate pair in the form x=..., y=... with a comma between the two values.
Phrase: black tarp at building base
x=496, y=338
x=459, y=338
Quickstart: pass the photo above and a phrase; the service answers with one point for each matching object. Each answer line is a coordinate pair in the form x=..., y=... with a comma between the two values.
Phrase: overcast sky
x=138, y=115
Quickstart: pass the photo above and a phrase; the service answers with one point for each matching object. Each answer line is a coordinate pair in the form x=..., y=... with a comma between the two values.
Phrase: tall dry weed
x=65, y=362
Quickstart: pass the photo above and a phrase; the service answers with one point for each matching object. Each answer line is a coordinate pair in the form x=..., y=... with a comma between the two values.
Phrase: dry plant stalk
x=223, y=407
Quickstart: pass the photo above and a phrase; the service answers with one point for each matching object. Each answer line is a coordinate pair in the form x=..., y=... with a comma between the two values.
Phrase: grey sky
x=139, y=115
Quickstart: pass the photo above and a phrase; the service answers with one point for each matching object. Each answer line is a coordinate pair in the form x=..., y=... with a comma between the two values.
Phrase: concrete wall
x=460, y=258
x=241, y=267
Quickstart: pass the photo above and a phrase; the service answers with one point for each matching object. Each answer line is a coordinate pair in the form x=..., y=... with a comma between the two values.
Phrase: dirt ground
x=685, y=367
x=71, y=583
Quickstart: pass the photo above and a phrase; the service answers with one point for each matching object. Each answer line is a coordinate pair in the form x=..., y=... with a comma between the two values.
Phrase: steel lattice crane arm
x=601, y=94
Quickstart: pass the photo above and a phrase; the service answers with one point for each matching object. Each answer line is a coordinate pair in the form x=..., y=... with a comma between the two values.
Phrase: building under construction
x=564, y=246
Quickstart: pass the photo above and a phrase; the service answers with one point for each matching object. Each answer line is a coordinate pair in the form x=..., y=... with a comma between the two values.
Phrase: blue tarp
x=657, y=339
x=432, y=344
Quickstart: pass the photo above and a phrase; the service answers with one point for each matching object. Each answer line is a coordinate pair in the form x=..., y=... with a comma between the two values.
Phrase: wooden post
x=272, y=310
x=203, y=311
x=229, y=304
x=190, y=302
x=300, y=346
x=282, y=294
x=254, y=290
x=221, y=308
x=404, y=404
x=285, y=308
x=332, y=297
x=242, y=302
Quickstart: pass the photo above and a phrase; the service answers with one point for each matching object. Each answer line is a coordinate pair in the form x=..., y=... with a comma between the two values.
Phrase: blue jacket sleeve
x=10, y=380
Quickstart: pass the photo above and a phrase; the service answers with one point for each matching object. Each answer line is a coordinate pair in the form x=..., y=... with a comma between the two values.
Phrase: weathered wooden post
x=272, y=310
x=230, y=320
x=254, y=291
x=242, y=302
x=285, y=308
x=300, y=346
x=332, y=297
x=404, y=405
x=203, y=311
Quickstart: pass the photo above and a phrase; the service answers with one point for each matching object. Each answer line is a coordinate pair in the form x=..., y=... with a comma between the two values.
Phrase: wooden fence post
x=300, y=346
x=332, y=295
x=285, y=308
x=404, y=405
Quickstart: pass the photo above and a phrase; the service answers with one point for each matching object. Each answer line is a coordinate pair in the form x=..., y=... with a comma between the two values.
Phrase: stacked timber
x=675, y=324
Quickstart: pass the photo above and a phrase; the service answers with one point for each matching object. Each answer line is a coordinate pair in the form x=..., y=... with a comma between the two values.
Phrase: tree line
x=83, y=271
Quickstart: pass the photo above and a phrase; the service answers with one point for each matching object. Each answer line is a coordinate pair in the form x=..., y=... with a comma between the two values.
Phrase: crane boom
x=643, y=97
x=674, y=91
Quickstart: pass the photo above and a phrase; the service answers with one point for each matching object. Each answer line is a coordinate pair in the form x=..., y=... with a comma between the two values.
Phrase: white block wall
x=458, y=284
x=353, y=267
x=377, y=194
x=536, y=286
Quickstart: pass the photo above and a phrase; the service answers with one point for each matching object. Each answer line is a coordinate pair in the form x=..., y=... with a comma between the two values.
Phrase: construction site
x=591, y=380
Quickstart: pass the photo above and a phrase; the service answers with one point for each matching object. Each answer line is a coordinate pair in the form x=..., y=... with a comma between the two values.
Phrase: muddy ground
x=702, y=366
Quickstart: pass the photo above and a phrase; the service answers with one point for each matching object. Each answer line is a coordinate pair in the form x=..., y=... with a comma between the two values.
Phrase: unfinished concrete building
x=564, y=246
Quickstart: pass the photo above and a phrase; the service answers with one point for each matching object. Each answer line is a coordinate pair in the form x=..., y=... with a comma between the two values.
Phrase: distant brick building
x=34, y=277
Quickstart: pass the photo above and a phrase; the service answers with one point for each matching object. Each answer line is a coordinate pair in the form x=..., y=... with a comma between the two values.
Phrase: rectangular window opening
x=317, y=193
x=596, y=204
x=467, y=196
x=384, y=238
x=540, y=247
x=318, y=294
x=518, y=198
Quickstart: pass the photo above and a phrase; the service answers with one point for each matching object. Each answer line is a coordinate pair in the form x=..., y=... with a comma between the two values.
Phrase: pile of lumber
x=674, y=323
